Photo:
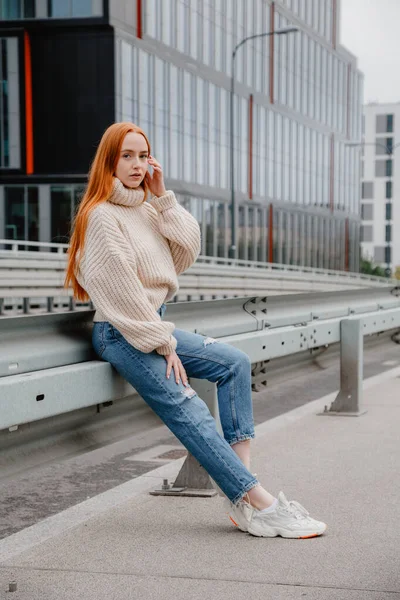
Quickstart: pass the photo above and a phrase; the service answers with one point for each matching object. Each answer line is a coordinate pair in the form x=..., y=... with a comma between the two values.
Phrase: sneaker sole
x=238, y=525
x=288, y=534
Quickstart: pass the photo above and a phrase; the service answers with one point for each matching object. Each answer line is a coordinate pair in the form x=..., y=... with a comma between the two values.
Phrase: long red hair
x=98, y=189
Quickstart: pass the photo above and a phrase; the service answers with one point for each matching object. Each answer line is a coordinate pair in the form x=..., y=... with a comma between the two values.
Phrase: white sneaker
x=240, y=515
x=289, y=520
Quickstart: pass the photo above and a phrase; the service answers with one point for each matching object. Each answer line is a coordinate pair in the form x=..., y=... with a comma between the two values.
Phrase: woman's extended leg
x=205, y=358
x=179, y=407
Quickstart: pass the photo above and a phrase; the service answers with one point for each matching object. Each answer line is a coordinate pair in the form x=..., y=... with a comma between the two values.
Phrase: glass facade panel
x=58, y=9
x=9, y=104
x=21, y=213
x=17, y=9
x=32, y=221
x=61, y=213
x=187, y=118
x=222, y=226
x=14, y=204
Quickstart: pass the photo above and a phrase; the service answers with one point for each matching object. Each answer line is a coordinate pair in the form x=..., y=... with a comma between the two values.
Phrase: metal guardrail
x=26, y=274
x=48, y=366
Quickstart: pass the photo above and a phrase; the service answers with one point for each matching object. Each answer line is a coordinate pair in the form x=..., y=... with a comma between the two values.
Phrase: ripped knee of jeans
x=188, y=392
x=209, y=340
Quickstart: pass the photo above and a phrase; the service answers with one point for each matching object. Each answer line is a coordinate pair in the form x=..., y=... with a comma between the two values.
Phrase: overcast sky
x=370, y=29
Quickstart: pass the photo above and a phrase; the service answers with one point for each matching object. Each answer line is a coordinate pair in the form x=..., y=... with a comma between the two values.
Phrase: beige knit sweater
x=133, y=252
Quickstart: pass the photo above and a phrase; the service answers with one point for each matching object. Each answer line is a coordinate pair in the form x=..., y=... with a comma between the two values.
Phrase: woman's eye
x=126, y=155
x=143, y=156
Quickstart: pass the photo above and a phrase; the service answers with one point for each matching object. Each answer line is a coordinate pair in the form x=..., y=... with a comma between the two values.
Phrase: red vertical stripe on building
x=271, y=53
x=28, y=105
x=348, y=98
x=346, y=247
x=251, y=147
x=332, y=176
x=334, y=23
x=139, y=18
x=271, y=234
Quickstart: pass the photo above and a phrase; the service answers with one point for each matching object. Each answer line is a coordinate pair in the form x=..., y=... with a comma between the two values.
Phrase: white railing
x=46, y=253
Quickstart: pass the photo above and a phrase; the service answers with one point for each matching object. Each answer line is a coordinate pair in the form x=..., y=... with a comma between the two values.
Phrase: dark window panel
x=61, y=199
x=383, y=145
x=367, y=190
x=367, y=212
x=389, y=189
x=389, y=123
x=389, y=168
x=4, y=112
x=388, y=233
x=15, y=213
x=33, y=216
x=388, y=254
x=366, y=233
x=388, y=211
x=29, y=9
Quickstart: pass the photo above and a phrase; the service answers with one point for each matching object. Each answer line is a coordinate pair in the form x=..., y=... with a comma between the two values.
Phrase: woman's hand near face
x=156, y=180
x=174, y=362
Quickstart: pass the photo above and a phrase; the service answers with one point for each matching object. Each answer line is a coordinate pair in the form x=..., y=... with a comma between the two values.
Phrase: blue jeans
x=184, y=413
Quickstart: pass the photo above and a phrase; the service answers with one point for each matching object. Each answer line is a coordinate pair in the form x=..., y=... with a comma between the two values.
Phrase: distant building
x=380, y=232
x=72, y=67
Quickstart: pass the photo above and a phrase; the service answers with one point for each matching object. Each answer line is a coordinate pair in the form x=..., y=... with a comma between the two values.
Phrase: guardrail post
x=347, y=402
x=50, y=304
x=193, y=479
x=25, y=304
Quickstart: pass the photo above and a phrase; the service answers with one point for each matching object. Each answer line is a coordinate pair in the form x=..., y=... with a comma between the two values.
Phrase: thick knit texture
x=134, y=251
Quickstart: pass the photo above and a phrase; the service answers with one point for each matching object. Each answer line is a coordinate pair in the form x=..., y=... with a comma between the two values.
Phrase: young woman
x=130, y=241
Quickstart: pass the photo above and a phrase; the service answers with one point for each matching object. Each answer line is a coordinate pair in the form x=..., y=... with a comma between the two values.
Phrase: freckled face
x=132, y=163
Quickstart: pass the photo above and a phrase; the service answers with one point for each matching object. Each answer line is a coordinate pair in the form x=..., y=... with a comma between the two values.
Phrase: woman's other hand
x=174, y=362
x=156, y=180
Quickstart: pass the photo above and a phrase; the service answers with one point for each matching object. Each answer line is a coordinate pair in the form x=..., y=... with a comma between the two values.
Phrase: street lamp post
x=390, y=152
x=232, y=248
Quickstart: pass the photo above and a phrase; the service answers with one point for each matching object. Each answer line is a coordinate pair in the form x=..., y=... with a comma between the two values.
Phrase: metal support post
x=25, y=305
x=347, y=402
x=193, y=479
x=50, y=304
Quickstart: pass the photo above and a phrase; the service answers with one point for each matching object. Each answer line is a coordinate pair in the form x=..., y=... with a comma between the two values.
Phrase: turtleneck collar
x=126, y=196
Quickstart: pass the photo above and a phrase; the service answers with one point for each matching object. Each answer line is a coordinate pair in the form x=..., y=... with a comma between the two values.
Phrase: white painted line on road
x=75, y=515
x=390, y=363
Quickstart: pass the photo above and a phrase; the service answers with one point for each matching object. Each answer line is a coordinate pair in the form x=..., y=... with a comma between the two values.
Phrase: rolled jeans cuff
x=241, y=438
x=248, y=487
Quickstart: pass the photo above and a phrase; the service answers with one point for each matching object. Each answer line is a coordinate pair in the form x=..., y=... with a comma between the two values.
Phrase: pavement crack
x=199, y=578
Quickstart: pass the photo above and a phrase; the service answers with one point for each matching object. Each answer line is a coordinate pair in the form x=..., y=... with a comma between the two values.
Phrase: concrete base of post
x=193, y=479
x=347, y=402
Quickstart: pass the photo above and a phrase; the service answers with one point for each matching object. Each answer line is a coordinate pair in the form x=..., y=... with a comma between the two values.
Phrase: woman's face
x=132, y=163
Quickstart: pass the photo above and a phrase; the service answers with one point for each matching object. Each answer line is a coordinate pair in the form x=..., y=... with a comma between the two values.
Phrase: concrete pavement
x=126, y=544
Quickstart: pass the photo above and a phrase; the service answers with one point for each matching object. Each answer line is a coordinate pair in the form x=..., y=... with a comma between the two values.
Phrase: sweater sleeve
x=115, y=289
x=181, y=230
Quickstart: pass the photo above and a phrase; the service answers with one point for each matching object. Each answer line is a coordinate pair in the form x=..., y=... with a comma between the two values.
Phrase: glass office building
x=166, y=65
